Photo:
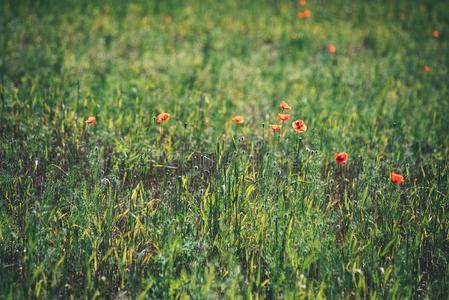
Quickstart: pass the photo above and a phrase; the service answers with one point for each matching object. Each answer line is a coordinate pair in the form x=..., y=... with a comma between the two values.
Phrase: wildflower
x=91, y=120
x=275, y=128
x=162, y=117
x=341, y=158
x=293, y=35
x=426, y=69
x=299, y=126
x=302, y=2
x=284, y=106
x=167, y=19
x=238, y=120
x=435, y=34
x=331, y=48
x=396, y=178
x=303, y=14
x=283, y=117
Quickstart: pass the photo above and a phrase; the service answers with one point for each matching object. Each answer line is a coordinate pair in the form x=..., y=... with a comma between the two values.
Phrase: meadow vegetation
x=128, y=205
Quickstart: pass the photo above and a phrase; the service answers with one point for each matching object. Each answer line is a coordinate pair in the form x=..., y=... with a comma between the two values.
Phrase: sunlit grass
x=201, y=205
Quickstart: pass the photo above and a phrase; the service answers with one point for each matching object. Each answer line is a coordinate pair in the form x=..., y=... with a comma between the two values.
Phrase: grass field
x=199, y=206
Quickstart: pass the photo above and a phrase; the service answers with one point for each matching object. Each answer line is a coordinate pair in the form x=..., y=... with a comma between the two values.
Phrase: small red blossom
x=396, y=178
x=162, y=117
x=91, y=120
x=238, y=120
x=275, y=128
x=168, y=19
x=341, y=158
x=331, y=48
x=284, y=106
x=283, y=117
x=435, y=34
x=304, y=14
x=299, y=126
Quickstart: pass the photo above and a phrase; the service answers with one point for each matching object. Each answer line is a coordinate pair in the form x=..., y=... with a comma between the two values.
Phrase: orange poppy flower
x=299, y=126
x=396, y=178
x=303, y=14
x=238, y=120
x=167, y=19
x=91, y=120
x=284, y=106
x=331, y=48
x=275, y=128
x=302, y=2
x=435, y=34
x=426, y=69
x=283, y=117
x=162, y=117
x=341, y=158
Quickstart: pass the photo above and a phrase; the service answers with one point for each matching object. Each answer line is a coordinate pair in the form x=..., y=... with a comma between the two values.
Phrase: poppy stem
x=298, y=143
x=159, y=136
x=263, y=131
x=78, y=93
x=183, y=149
x=340, y=171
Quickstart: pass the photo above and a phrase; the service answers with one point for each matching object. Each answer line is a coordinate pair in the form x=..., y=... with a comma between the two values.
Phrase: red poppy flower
x=331, y=48
x=435, y=34
x=426, y=69
x=284, y=106
x=341, y=158
x=238, y=120
x=299, y=126
x=162, y=117
x=275, y=128
x=396, y=178
x=283, y=117
x=303, y=14
x=167, y=19
x=302, y=2
x=91, y=120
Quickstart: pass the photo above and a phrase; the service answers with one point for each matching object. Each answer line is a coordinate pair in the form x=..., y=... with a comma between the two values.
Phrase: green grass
x=198, y=207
